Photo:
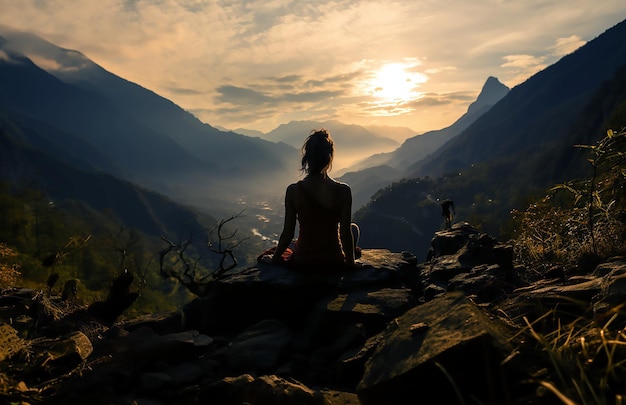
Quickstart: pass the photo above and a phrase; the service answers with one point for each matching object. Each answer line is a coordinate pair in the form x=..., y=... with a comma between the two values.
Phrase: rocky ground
x=467, y=326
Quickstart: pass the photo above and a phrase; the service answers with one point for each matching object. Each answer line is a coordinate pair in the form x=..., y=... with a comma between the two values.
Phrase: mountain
x=352, y=142
x=138, y=135
x=512, y=153
x=151, y=213
x=390, y=166
x=419, y=147
x=539, y=113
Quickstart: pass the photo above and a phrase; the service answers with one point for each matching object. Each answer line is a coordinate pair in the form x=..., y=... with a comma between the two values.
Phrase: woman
x=322, y=207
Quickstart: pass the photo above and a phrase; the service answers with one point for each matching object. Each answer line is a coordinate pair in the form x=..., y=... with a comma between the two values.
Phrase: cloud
x=525, y=65
x=245, y=97
x=241, y=96
x=183, y=91
x=565, y=46
x=522, y=61
x=286, y=79
x=280, y=59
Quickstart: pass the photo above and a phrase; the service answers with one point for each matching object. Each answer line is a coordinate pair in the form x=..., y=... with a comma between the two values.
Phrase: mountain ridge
x=521, y=114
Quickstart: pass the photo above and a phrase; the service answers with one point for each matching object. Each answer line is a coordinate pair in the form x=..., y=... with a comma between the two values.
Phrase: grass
x=585, y=363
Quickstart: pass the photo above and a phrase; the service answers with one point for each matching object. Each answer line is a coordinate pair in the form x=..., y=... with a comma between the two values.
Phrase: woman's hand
x=267, y=259
x=272, y=259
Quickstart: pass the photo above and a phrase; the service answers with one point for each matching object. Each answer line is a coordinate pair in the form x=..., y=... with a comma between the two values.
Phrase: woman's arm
x=289, y=225
x=345, y=221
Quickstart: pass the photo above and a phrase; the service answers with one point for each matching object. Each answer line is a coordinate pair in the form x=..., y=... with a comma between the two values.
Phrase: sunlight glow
x=393, y=86
x=392, y=82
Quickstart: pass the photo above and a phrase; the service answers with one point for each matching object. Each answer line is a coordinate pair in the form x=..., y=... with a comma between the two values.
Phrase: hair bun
x=317, y=152
x=321, y=132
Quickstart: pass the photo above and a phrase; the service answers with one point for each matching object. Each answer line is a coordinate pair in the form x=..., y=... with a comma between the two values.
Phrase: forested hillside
x=77, y=223
x=48, y=243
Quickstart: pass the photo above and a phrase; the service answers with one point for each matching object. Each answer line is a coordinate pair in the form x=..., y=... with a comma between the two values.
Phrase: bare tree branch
x=190, y=273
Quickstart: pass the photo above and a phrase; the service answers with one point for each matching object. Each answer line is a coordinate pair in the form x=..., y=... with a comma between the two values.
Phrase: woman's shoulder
x=342, y=190
x=344, y=187
x=292, y=187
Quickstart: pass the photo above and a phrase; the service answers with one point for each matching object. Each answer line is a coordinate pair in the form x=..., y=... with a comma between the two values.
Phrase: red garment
x=286, y=256
x=318, y=236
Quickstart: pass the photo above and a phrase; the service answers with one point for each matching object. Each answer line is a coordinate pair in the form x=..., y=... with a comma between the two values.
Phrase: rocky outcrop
x=395, y=330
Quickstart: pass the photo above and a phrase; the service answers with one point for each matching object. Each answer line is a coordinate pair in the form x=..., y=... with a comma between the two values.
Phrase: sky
x=257, y=64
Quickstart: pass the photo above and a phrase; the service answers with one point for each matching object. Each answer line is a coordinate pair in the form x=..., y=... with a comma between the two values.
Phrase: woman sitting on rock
x=323, y=208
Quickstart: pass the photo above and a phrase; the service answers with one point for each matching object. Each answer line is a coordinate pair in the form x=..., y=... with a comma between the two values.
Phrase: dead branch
x=189, y=273
x=226, y=252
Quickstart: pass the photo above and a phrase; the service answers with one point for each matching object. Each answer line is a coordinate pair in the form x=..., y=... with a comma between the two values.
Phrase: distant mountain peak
x=493, y=90
x=491, y=81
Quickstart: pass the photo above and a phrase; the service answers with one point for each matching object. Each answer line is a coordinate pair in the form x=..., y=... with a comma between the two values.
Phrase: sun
x=395, y=83
x=392, y=82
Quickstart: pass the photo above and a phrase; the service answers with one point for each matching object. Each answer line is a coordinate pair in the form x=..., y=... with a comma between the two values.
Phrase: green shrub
x=580, y=219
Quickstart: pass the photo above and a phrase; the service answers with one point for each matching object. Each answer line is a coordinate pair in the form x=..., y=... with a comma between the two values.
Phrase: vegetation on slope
x=582, y=219
x=45, y=243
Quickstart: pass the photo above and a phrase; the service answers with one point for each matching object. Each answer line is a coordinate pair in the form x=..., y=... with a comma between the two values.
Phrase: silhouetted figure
x=322, y=207
x=446, y=206
x=118, y=300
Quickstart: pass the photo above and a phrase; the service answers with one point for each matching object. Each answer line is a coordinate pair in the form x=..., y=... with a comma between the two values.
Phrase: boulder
x=448, y=345
x=247, y=296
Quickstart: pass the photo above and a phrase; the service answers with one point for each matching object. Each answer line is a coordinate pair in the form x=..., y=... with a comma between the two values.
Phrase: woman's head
x=317, y=152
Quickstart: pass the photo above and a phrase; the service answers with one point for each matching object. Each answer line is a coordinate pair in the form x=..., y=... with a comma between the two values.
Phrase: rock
x=371, y=308
x=76, y=344
x=486, y=282
x=258, y=350
x=158, y=322
x=461, y=248
x=264, y=390
x=144, y=345
x=448, y=242
x=456, y=344
x=247, y=296
x=10, y=342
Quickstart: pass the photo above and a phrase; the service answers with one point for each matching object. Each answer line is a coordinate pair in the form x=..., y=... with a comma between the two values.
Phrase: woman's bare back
x=325, y=191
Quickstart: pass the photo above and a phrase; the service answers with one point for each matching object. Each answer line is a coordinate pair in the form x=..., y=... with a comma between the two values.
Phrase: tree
x=191, y=273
